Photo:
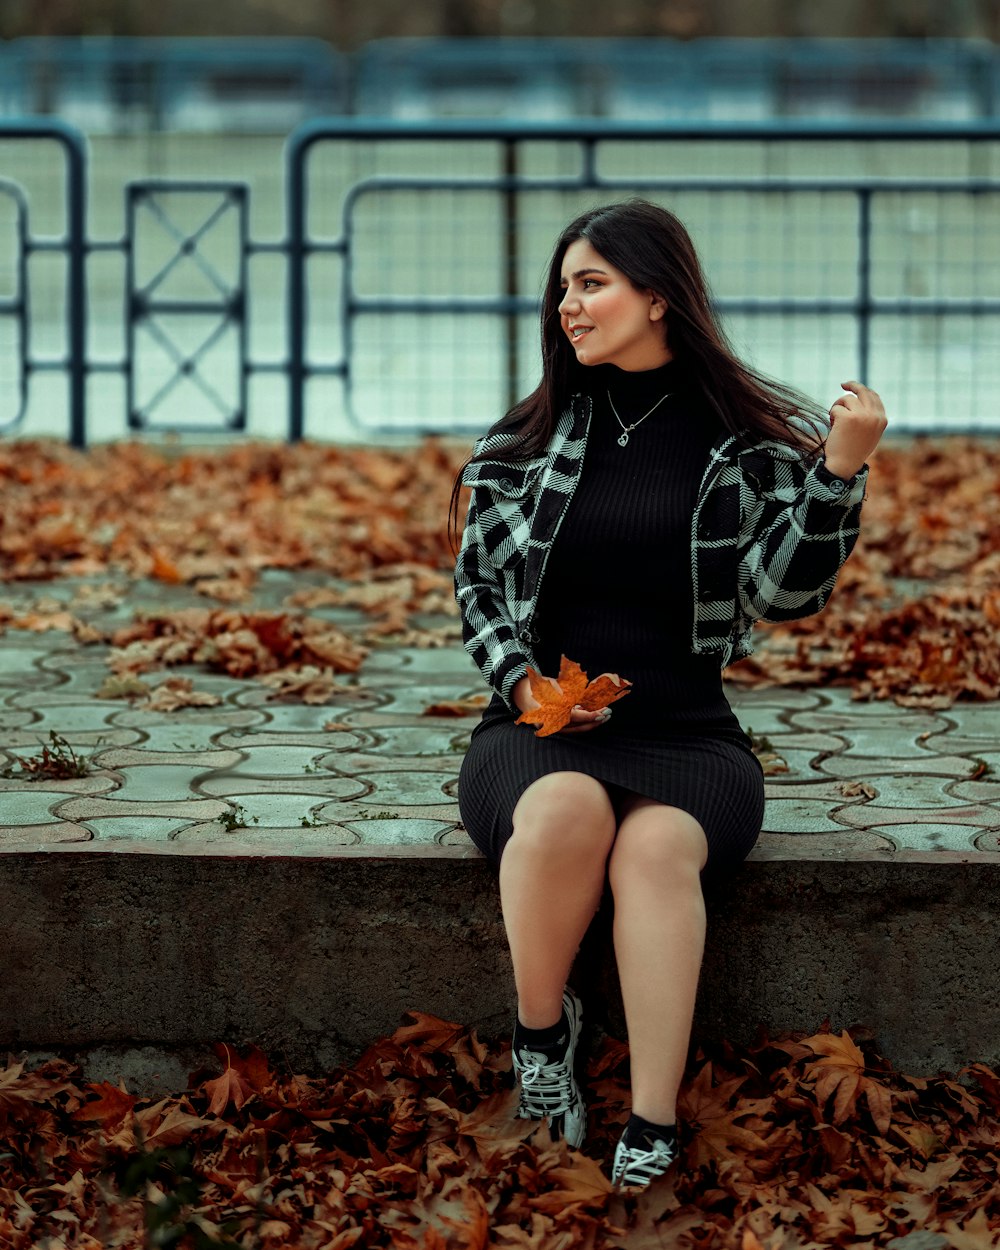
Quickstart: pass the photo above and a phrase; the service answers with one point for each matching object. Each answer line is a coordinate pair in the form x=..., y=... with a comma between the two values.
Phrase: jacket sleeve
x=798, y=526
x=488, y=631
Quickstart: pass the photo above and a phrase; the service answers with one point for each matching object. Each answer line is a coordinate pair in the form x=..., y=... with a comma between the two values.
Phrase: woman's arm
x=799, y=526
x=488, y=631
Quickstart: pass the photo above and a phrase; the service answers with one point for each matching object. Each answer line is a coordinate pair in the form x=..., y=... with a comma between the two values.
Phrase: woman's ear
x=657, y=307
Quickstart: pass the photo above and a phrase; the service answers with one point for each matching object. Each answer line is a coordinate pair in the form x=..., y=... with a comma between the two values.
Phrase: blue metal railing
x=511, y=305
x=581, y=159
x=72, y=246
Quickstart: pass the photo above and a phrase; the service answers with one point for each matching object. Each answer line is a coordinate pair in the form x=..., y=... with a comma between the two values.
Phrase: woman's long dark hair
x=654, y=251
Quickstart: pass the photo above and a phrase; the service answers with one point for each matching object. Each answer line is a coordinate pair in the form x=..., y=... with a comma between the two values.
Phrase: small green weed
x=236, y=818
x=55, y=762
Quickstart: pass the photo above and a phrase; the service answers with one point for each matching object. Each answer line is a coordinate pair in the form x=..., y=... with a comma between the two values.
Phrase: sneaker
x=548, y=1085
x=637, y=1165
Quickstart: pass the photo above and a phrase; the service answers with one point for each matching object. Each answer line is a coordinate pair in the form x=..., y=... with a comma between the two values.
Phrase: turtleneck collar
x=642, y=387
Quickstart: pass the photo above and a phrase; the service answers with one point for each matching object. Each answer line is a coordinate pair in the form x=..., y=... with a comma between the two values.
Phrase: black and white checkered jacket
x=769, y=534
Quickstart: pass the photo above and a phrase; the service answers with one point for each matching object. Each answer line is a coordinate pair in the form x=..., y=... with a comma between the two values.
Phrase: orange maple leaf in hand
x=557, y=698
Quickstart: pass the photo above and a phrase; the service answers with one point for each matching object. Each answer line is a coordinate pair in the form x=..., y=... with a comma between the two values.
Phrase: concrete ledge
x=128, y=949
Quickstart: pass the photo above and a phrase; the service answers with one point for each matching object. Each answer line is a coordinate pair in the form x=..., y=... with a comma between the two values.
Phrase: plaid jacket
x=768, y=538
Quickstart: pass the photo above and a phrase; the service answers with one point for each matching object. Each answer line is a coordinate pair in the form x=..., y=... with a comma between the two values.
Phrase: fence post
x=298, y=145
x=864, y=282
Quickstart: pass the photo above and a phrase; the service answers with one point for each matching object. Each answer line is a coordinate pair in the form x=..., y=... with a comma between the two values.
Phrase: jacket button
x=506, y=483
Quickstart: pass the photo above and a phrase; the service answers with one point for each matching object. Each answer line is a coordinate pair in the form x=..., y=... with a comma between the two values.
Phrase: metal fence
x=401, y=297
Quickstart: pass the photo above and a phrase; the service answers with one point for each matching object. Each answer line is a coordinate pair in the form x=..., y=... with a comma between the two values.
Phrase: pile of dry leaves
x=915, y=615
x=792, y=1143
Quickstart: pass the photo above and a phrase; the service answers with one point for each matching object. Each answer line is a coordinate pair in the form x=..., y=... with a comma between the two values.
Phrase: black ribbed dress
x=616, y=596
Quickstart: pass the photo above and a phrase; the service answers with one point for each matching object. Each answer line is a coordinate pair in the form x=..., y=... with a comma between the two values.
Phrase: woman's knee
x=565, y=811
x=666, y=848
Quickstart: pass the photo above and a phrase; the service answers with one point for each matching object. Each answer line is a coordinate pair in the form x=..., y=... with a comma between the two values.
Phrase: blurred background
x=331, y=220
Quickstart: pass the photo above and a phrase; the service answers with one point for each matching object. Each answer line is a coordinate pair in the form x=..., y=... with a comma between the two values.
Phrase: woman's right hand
x=581, y=721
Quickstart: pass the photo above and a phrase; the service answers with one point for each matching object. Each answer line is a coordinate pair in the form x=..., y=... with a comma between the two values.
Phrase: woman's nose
x=567, y=303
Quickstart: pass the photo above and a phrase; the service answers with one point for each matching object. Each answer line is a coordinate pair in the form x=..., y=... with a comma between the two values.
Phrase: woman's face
x=605, y=318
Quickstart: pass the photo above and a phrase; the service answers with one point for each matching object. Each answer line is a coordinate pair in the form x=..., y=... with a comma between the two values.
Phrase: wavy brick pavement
x=177, y=782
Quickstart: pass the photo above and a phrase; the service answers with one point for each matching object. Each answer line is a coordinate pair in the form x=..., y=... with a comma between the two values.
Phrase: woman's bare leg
x=659, y=933
x=552, y=874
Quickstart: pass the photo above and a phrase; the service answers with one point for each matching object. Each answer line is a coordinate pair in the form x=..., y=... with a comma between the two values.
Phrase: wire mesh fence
x=367, y=279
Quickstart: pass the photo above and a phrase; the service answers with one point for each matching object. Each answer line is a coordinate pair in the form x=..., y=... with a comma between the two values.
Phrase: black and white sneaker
x=642, y=1159
x=548, y=1083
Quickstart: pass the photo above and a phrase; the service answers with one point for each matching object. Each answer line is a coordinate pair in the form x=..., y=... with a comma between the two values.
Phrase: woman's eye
x=590, y=282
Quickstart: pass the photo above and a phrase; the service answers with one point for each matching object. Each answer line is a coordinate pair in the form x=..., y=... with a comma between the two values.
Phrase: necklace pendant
x=623, y=440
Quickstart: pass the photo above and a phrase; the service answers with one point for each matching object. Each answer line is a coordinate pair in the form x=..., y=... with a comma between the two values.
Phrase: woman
x=637, y=513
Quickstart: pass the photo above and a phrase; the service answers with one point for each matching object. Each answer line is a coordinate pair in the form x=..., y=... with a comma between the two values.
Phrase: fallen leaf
x=557, y=697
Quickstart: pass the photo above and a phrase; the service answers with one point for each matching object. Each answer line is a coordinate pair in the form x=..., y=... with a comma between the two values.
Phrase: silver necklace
x=626, y=429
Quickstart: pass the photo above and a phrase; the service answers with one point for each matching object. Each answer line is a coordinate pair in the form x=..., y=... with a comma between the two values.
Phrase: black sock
x=550, y=1040
x=640, y=1132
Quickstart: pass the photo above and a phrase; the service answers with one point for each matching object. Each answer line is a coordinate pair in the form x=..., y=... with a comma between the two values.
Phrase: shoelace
x=546, y=1087
x=643, y=1165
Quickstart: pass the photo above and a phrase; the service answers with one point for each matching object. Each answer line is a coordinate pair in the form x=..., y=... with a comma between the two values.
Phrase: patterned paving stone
x=935, y=837
x=800, y=752
x=28, y=742
x=79, y=675
x=411, y=700
x=14, y=837
x=839, y=699
x=303, y=717
x=32, y=807
x=344, y=813
x=327, y=785
x=152, y=783
x=763, y=720
x=878, y=743
x=917, y=790
x=900, y=721
x=199, y=761
x=399, y=832
x=977, y=791
x=988, y=841
x=406, y=788
x=365, y=764
x=11, y=718
x=17, y=656
x=798, y=816
x=955, y=766
x=457, y=837
x=89, y=808
x=866, y=816
x=66, y=717
x=975, y=720
x=299, y=837
x=784, y=697
x=135, y=828
x=277, y=810
x=195, y=729
x=453, y=661
x=282, y=714
x=92, y=783
x=319, y=740
x=433, y=738
x=383, y=660
x=955, y=743
x=831, y=792
x=219, y=716
x=271, y=761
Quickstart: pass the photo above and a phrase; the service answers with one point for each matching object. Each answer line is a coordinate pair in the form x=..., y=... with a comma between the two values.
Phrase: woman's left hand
x=857, y=421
